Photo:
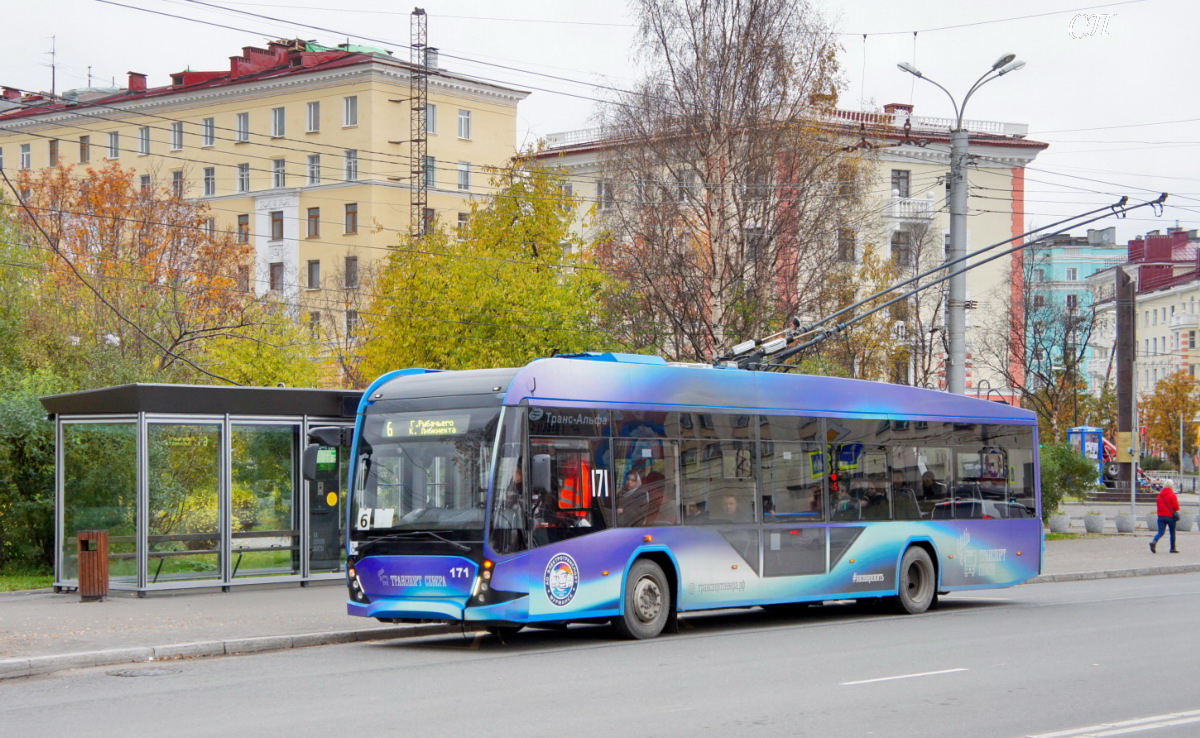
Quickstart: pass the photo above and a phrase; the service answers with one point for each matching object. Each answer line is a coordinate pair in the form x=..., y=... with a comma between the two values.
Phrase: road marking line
x=902, y=676
x=1128, y=726
x=989, y=599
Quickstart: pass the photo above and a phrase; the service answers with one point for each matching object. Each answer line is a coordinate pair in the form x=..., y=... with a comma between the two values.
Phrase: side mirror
x=540, y=471
x=331, y=435
x=320, y=462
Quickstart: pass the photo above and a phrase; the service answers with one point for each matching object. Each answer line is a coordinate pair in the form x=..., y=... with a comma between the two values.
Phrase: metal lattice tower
x=419, y=96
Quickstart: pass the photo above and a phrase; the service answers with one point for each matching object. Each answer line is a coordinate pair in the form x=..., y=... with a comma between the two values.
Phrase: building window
x=314, y=222
x=243, y=177
x=351, y=165
x=604, y=195
x=900, y=182
x=26, y=156
x=177, y=183
x=464, y=124
x=243, y=279
x=1039, y=301
x=210, y=181
x=463, y=219
x=1039, y=275
x=208, y=132
x=278, y=123
x=144, y=140
x=428, y=218
x=314, y=117
x=1191, y=339
x=243, y=228
x=430, y=118
x=1072, y=302
x=351, y=323
x=275, y=280
x=85, y=149
x=145, y=184
x=464, y=175
x=278, y=173
x=176, y=136
x=845, y=245
x=243, y=127
x=901, y=248
x=314, y=169
x=350, y=117
x=314, y=274
x=429, y=171
x=1, y=158
x=314, y=323
x=114, y=145
x=276, y=225
x=351, y=217
x=351, y=275
x=210, y=227
x=1072, y=274
x=54, y=152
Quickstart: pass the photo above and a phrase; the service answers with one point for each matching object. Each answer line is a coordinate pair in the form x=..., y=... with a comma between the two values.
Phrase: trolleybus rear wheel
x=647, y=602
x=918, y=582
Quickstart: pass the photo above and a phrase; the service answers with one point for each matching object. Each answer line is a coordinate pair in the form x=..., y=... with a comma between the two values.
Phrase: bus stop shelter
x=197, y=486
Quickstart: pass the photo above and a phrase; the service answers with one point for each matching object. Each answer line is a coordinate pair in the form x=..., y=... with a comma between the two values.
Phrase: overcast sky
x=1110, y=85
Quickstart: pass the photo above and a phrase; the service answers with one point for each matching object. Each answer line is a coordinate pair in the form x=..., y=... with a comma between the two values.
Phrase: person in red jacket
x=1168, y=513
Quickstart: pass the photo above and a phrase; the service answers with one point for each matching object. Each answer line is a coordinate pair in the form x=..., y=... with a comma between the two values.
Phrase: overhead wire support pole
x=1119, y=210
x=418, y=122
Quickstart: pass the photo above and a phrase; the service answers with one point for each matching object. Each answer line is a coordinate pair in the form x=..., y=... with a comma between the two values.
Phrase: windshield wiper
x=408, y=535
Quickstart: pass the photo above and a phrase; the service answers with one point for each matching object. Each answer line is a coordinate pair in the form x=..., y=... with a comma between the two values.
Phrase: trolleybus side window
x=793, y=469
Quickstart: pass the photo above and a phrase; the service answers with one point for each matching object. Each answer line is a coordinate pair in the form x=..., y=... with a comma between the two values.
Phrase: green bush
x=1154, y=463
x=1065, y=473
x=26, y=470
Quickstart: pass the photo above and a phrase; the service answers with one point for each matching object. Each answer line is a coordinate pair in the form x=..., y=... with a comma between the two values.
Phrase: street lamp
x=956, y=318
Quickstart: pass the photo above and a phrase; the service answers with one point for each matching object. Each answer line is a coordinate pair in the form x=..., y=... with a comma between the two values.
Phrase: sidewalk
x=43, y=632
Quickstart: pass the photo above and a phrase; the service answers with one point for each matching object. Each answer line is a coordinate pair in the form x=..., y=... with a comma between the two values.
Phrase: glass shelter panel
x=100, y=493
x=326, y=510
x=183, y=537
x=266, y=534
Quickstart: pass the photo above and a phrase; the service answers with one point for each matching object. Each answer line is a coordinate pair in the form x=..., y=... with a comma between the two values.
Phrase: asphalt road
x=1054, y=658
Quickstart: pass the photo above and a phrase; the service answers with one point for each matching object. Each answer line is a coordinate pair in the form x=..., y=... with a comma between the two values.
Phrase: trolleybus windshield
x=423, y=471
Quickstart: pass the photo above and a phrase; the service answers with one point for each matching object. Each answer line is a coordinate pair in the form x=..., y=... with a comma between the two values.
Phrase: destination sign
x=420, y=425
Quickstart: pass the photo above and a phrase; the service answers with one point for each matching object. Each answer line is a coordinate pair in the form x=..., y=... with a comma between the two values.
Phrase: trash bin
x=93, y=565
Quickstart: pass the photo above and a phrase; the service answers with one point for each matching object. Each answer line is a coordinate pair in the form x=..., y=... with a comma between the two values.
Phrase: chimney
x=431, y=57
x=11, y=94
x=893, y=108
x=137, y=82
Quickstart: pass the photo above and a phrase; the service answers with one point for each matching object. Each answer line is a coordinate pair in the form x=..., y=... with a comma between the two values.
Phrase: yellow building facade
x=301, y=150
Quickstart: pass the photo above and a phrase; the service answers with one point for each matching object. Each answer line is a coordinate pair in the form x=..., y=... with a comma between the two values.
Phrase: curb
x=22, y=667
x=1148, y=571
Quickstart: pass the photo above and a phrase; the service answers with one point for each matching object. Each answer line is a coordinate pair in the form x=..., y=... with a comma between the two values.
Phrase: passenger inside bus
x=931, y=488
x=733, y=509
x=846, y=506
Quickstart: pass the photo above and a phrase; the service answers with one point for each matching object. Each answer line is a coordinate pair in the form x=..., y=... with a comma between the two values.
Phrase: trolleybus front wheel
x=918, y=582
x=647, y=602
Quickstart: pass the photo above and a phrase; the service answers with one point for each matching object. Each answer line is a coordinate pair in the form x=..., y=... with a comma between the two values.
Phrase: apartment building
x=300, y=149
x=908, y=199
x=1166, y=272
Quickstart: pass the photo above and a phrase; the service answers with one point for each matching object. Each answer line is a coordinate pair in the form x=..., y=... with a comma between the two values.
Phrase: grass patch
x=1066, y=536
x=16, y=581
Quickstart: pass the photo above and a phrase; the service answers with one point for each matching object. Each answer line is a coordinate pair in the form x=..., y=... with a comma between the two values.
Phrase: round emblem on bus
x=536, y=413
x=562, y=579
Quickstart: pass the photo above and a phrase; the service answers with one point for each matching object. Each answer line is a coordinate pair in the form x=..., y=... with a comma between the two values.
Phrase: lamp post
x=956, y=317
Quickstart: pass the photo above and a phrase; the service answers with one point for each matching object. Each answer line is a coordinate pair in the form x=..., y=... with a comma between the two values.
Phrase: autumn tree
x=1169, y=411
x=723, y=186
x=512, y=284
x=139, y=280
x=1040, y=354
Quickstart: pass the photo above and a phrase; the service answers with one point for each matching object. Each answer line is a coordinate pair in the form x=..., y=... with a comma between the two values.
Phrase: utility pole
x=418, y=123
x=1126, y=295
x=956, y=304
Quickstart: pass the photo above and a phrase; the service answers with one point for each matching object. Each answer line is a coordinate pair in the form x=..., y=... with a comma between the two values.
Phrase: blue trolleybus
x=622, y=488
